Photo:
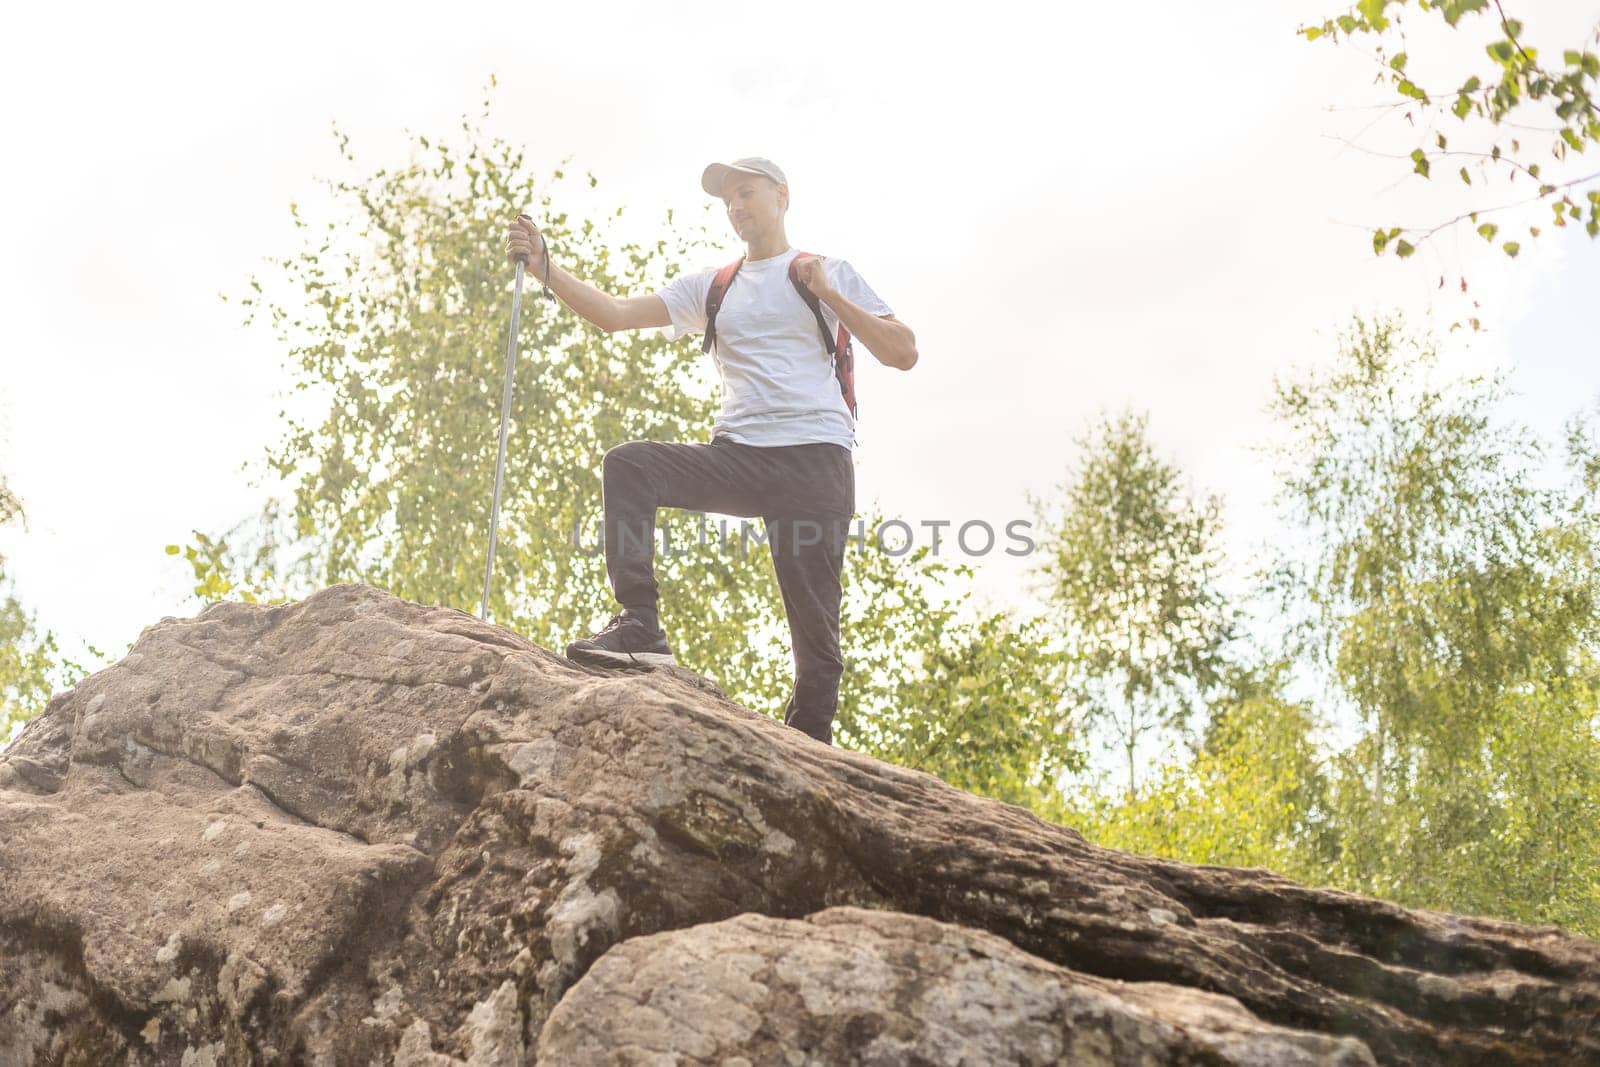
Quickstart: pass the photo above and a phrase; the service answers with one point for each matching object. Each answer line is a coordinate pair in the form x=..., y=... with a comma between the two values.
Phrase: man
x=781, y=448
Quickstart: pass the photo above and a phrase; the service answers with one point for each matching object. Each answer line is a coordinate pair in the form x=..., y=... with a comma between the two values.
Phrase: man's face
x=755, y=202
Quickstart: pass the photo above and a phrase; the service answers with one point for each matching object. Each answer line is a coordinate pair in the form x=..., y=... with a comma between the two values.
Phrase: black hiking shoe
x=623, y=641
x=808, y=725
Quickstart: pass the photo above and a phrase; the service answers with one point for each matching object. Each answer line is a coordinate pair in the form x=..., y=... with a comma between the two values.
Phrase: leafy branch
x=1519, y=81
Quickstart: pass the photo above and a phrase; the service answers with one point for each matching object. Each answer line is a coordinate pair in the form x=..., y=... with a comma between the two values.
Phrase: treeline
x=1410, y=710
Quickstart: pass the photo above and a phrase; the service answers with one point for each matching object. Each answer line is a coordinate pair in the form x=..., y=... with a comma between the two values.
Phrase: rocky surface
x=358, y=830
x=849, y=985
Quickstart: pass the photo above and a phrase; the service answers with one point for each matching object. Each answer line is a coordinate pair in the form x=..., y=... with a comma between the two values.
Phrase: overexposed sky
x=1116, y=205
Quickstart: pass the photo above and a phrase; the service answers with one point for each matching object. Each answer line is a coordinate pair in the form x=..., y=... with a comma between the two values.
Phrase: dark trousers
x=805, y=495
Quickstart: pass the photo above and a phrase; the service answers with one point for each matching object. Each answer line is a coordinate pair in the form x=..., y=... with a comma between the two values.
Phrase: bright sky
x=1143, y=205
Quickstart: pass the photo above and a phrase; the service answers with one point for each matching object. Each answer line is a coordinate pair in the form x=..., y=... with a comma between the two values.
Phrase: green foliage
x=974, y=697
x=1453, y=605
x=210, y=561
x=32, y=666
x=1515, y=91
x=1450, y=605
x=1129, y=570
x=399, y=320
x=1253, y=796
x=28, y=661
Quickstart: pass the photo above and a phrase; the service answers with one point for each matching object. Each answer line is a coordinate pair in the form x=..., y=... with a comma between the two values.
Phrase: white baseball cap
x=717, y=173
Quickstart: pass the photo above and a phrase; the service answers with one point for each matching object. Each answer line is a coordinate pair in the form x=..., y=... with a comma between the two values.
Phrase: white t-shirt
x=778, y=383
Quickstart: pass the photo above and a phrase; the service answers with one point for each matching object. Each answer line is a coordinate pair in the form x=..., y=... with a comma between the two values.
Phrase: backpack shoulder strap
x=808, y=296
x=840, y=350
x=714, y=295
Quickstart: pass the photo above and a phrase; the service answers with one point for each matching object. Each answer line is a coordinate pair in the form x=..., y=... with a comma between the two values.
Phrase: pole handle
x=522, y=260
x=544, y=246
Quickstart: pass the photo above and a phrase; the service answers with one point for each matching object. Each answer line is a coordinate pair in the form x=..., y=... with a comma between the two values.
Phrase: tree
x=1254, y=795
x=1130, y=573
x=396, y=316
x=1452, y=603
x=1516, y=91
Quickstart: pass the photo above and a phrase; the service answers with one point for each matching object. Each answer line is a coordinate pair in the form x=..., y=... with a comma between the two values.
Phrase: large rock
x=885, y=988
x=358, y=830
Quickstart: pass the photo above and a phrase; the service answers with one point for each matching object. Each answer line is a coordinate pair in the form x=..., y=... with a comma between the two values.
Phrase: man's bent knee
x=625, y=453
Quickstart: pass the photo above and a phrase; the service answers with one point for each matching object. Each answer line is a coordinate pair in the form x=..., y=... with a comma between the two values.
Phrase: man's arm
x=886, y=337
x=601, y=308
x=608, y=312
x=890, y=341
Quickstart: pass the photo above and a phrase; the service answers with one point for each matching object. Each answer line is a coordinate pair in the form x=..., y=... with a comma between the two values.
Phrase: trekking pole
x=505, y=418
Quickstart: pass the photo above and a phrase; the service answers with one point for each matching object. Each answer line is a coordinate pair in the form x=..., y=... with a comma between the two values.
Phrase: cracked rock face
x=357, y=830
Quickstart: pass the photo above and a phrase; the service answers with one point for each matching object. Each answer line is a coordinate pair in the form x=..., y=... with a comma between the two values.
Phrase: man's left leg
x=808, y=554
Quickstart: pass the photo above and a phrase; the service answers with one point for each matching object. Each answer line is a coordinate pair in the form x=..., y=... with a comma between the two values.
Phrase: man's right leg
x=640, y=476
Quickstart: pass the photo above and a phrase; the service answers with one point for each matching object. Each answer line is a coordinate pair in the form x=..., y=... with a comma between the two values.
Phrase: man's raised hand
x=525, y=242
x=813, y=276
